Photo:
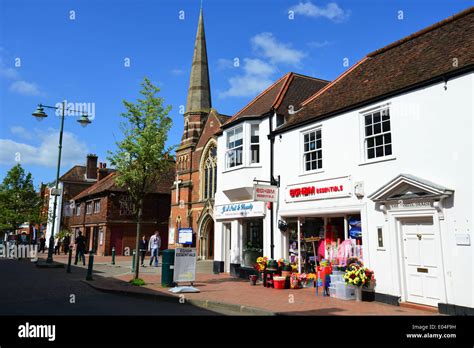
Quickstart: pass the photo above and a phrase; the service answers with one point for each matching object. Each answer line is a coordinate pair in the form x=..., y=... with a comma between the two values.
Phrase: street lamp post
x=84, y=121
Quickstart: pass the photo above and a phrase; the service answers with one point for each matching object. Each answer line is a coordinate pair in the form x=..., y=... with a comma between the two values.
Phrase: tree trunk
x=137, y=242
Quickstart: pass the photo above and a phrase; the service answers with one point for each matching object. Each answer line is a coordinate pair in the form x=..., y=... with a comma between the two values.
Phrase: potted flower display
x=310, y=279
x=358, y=277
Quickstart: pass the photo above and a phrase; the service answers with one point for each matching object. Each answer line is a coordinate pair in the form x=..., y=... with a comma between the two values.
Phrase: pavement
x=231, y=295
x=28, y=290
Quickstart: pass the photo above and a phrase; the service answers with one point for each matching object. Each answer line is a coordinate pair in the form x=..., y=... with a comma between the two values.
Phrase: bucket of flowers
x=310, y=278
x=295, y=281
x=358, y=277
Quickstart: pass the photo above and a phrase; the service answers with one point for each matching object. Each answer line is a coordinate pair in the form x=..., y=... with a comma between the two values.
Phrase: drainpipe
x=271, y=137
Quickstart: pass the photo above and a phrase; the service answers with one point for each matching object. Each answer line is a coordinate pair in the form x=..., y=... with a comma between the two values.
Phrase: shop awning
x=407, y=186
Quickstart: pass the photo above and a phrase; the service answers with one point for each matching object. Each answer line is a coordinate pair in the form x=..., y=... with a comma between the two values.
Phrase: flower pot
x=309, y=284
x=253, y=279
x=358, y=293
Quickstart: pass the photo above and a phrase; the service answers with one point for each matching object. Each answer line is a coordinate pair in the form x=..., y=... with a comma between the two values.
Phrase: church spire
x=199, y=91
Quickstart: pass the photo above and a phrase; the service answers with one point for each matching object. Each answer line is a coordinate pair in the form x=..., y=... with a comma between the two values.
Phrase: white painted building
x=390, y=144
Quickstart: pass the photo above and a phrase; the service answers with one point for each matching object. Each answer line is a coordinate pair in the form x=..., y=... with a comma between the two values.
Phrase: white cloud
x=332, y=11
x=277, y=52
x=318, y=44
x=258, y=67
x=256, y=77
x=25, y=88
x=74, y=151
x=18, y=85
x=258, y=73
x=177, y=71
x=223, y=64
x=21, y=132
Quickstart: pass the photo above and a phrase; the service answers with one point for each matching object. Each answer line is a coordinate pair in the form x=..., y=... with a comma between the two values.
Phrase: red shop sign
x=306, y=191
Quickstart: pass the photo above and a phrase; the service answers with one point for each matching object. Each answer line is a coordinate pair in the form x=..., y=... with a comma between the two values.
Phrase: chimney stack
x=91, y=167
x=101, y=171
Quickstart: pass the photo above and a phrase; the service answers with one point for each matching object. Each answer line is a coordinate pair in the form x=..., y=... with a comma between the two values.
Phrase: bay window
x=234, y=150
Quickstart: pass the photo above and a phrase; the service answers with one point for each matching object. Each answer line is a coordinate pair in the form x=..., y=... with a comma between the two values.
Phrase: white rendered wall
x=432, y=130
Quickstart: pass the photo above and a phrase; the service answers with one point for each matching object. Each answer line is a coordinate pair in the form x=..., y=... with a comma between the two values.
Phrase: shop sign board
x=184, y=265
x=265, y=193
x=185, y=236
x=239, y=210
x=322, y=189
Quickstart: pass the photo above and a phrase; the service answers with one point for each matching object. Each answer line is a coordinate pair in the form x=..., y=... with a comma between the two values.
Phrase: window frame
x=303, y=153
x=227, y=150
x=96, y=204
x=364, y=158
x=250, y=143
x=78, y=209
x=89, y=204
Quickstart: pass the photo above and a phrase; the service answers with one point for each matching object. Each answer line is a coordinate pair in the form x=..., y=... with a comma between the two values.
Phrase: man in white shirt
x=154, y=247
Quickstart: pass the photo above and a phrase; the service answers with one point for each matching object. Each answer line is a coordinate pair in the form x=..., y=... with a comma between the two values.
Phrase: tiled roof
x=443, y=48
x=290, y=89
x=107, y=184
x=78, y=174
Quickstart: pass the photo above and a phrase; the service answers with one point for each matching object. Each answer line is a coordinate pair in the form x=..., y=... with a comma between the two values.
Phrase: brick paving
x=226, y=289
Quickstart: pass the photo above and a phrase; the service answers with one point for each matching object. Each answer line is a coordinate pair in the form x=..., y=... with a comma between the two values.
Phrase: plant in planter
x=359, y=277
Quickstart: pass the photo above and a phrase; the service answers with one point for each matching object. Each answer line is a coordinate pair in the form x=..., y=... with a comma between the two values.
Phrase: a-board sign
x=185, y=236
x=184, y=265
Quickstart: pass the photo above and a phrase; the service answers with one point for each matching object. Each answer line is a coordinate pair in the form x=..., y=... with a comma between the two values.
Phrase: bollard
x=133, y=260
x=68, y=269
x=113, y=255
x=90, y=266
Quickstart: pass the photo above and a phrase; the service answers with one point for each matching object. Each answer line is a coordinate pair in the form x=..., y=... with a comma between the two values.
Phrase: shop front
x=323, y=223
x=240, y=228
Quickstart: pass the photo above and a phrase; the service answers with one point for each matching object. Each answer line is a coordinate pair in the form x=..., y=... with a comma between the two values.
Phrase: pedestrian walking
x=80, y=248
x=57, y=244
x=143, y=248
x=154, y=247
x=42, y=244
x=66, y=242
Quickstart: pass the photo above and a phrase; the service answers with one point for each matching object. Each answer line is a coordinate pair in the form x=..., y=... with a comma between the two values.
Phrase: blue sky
x=48, y=54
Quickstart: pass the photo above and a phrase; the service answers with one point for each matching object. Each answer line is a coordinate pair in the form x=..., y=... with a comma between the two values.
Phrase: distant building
x=103, y=214
x=74, y=181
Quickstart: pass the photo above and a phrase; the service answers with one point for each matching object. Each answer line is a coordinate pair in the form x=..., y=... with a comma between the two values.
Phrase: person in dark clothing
x=80, y=248
x=42, y=244
x=143, y=248
x=66, y=242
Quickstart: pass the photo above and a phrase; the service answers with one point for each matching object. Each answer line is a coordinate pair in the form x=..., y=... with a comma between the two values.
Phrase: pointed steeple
x=199, y=91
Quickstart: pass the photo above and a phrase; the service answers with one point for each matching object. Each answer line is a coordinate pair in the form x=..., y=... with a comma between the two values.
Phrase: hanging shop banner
x=265, y=193
x=322, y=189
x=239, y=210
x=185, y=236
x=184, y=265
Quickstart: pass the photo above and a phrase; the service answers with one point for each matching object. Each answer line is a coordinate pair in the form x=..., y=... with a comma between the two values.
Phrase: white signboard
x=322, y=189
x=184, y=265
x=265, y=193
x=171, y=235
x=239, y=210
x=185, y=236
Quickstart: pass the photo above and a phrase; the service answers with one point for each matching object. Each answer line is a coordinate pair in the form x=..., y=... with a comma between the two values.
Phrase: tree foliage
x=142, y=156
x=19, y=201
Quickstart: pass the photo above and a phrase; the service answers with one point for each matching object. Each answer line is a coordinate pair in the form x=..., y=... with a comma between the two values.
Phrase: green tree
x=19, y=201
x=142, y=157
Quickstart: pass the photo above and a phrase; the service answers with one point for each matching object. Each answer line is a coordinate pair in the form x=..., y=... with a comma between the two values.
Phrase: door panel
x=421, y=259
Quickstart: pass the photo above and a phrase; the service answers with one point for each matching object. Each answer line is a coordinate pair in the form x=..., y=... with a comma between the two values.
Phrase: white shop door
x=422, y=261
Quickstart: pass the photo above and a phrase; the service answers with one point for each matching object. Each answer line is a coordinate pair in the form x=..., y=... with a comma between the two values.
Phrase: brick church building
x=192, y=196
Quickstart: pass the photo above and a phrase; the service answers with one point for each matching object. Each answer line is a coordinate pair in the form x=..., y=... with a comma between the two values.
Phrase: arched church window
x=209, y=175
